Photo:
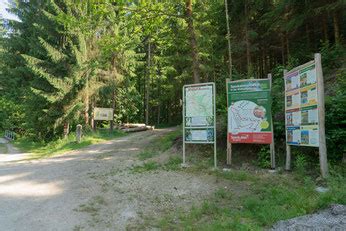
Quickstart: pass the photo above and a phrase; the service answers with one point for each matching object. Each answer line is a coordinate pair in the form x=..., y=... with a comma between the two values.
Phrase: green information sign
x=249, y=111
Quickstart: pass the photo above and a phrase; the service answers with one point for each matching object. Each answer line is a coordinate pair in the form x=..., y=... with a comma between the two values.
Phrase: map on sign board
x=249, y=111
x=247, y=116
x=199, y=106
x=199, y=109
x=302, y=106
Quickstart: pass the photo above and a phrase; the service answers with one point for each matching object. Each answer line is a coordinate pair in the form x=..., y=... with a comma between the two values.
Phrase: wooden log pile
x=135, y=127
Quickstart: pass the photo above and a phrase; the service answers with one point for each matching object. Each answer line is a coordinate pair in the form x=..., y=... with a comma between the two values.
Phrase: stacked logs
x=135, y=127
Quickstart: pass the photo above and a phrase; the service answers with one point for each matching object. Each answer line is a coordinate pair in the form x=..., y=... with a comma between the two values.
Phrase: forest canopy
x=62, y=58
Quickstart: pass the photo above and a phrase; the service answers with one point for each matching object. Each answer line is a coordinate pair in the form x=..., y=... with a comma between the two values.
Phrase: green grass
x=268, y=200
x=159, y=145
x=146, y=167
x=41, y=150
x=173, y=163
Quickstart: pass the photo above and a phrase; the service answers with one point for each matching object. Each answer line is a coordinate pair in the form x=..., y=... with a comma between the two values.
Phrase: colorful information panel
x=103, y=113
x=302, y=106
x=199, y=113
x=249, y=111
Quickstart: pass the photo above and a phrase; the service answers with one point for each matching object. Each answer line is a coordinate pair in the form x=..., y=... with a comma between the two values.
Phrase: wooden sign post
x=229, y=144
x=305, y=111
x=272, y=145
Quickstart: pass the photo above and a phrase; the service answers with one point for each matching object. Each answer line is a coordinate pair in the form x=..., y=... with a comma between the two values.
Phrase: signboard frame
x=270, y=120
x=320, y=113
x=109, y=118
x=211, y=126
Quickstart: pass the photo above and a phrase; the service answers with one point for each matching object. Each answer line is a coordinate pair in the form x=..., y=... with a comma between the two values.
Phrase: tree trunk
x=247, y=41
x=93, y=122
x=113, y=106
x=86, y=105
x=229, y=42
x=193, y=42
x=336, y=27
x=148, y=84
x=325, y=27
x=287, y=46
x=283, y=49
x=307, y=31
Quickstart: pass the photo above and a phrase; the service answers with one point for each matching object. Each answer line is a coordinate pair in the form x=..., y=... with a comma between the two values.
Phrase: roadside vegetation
x=41, y=149
x=252, y=199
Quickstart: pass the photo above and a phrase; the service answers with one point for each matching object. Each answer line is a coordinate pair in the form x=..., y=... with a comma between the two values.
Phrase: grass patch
x=239, y=175
x=147, y=154
x=146, y=167
x=268, y=200
x=159, y=145
x=173, y=163
x=41, y=150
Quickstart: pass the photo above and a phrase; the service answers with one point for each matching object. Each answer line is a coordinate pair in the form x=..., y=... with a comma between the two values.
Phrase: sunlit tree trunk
x=113, y=106
x=148, y=84
x=86, y=105
x=193, y=42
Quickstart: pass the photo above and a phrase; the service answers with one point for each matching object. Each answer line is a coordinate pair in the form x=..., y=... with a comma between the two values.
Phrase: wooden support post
x=229, y=145
x=321, y=117
x=79, y=133
x=288, y=147
x=272, y=146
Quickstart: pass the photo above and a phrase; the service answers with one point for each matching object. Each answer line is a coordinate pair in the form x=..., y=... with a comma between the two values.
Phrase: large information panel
x=249, y=111
x=302, y=106
x=199, y=113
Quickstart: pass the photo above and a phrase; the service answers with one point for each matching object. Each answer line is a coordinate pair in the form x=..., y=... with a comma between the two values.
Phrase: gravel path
x=333, y=218
x=94, y=189
x=9, y=153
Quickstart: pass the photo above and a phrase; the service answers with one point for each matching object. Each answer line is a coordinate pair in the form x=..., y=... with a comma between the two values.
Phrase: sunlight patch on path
x=29, y=188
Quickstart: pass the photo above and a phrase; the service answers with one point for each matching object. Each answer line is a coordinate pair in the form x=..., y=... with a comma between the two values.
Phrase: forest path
x=94, y=188
x=9, y=153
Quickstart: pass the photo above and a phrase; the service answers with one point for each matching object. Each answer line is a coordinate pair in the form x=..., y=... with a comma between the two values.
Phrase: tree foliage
x=65, y=57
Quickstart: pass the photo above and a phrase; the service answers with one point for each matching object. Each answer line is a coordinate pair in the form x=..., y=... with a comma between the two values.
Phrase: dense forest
x=62, y=58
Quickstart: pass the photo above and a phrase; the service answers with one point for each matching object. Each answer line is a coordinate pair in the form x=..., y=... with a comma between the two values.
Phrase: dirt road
x=94, y=189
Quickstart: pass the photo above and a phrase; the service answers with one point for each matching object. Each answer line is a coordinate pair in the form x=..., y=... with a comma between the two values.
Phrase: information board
x=249, y=111
x=301, y=106
x=103, y=113
x=199, y=116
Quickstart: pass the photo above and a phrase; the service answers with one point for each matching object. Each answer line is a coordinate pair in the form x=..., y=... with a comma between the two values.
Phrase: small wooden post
x=321, y=116
x=66, y=130
x=288, y=147
x=229, y=145
x=79, y=133
x=272, y=146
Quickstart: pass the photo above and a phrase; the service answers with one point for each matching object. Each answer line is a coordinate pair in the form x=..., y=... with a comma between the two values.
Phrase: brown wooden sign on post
x=304, y=110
